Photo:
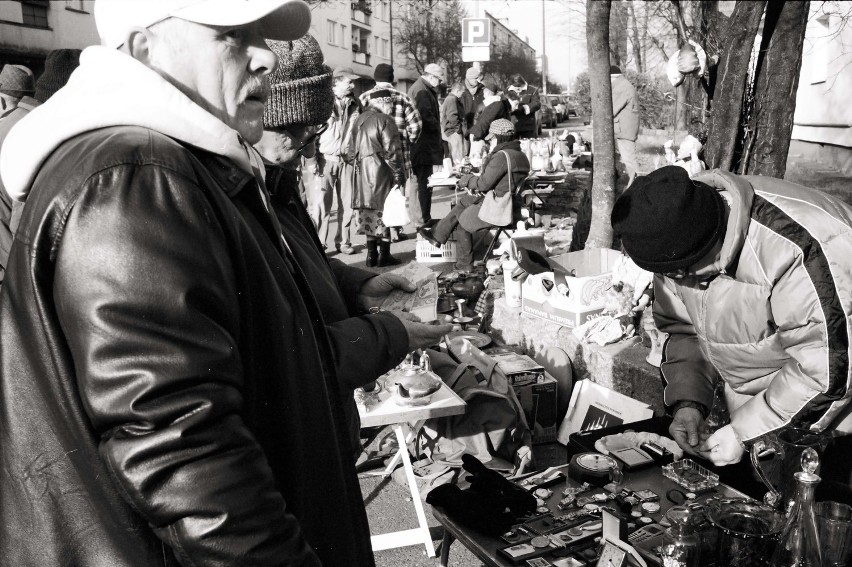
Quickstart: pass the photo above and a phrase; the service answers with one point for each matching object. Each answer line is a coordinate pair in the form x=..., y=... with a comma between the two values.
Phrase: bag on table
x=395, y=212
x=497, y=209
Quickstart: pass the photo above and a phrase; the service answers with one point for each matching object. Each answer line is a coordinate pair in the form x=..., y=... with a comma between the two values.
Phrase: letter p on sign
x=476, y=32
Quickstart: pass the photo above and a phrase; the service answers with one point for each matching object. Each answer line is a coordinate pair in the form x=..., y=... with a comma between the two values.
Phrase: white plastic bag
x=395, y=212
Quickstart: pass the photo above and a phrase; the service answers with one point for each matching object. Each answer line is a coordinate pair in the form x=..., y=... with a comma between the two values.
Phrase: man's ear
x=138, y=44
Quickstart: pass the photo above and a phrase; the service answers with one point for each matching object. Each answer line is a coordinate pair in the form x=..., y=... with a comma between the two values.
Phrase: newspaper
x=593, y=406
x=422, y=302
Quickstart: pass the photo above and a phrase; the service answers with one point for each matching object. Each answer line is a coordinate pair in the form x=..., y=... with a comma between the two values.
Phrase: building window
x=34, y=14
x=332, y=38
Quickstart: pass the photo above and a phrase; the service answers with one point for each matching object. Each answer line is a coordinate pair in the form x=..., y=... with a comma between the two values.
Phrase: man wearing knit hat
x=299, y=103
x=58, y=66
x=300, y=88
x=164, y=362
x=404, y=114
x=428, y=151
x=754, y=284
x=16, y=82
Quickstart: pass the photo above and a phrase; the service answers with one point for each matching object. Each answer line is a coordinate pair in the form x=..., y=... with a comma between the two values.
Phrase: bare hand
x=375, y=290
x=685, y=428
x=722, y=448
x=421, y=335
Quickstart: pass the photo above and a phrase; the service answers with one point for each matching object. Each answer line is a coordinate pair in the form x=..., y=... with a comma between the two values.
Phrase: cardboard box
x=539, y=403
x=587, y=287
x=520, y=369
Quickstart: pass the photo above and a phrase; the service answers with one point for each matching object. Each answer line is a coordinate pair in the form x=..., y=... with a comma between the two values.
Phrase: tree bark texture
x=618, y=34
x=775, y=92
x=634, y=39
x=725, y=120
x=603, y=184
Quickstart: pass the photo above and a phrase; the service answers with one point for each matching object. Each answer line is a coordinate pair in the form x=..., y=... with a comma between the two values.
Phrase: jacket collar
x=491, y=100
x=113, y=89
x=740, y=195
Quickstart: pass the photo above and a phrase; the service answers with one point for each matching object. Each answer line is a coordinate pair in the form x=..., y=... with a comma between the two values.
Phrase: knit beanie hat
x=666, y=221
x=300, y=87
x=383, y=73
x=16, y=81
x=58, y=66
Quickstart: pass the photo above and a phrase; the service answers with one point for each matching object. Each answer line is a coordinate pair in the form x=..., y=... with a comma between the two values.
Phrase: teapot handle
x=761, y=446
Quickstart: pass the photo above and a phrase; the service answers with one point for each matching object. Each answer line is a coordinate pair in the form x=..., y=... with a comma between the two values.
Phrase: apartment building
x=29, y=29
x=355, y=35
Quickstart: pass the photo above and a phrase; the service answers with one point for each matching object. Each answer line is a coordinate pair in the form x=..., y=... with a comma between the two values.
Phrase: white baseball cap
x=283, y=20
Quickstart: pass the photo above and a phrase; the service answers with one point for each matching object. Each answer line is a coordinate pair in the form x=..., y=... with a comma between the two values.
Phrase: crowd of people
x=178, y=351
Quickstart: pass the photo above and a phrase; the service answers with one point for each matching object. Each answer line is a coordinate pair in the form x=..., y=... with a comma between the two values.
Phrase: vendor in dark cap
x=754, y=284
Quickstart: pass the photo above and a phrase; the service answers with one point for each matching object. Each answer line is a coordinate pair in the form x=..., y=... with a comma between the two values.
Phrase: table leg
x=415, y=494
x=446, y=542
x=394, y=462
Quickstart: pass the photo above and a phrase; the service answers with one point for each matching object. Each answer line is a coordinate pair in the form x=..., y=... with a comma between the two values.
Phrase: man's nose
x=262, y=61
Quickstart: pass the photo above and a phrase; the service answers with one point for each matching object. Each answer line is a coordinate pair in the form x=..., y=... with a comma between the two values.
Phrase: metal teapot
x=414, y=384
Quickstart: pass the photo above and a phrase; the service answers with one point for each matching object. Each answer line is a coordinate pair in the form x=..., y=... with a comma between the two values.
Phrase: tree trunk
x=775, y=92
x=603, y=184
x=634, y=40
x=726, y=118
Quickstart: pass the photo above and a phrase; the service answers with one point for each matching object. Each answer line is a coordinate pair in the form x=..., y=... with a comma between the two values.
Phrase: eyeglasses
x=317, y=133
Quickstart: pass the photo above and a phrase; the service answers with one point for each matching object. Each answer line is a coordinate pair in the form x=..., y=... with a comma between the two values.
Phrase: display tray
x=740, y=476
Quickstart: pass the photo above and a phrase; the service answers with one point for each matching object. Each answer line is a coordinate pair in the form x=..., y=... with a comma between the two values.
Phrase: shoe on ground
x=428, y=236
x=346, y=249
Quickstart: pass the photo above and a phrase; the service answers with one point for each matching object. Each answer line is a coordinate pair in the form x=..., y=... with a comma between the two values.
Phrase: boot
x=385, y=258
x=372, y=253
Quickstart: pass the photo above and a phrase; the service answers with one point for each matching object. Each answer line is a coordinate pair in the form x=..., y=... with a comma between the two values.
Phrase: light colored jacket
x=625, y=109
x=775, y=324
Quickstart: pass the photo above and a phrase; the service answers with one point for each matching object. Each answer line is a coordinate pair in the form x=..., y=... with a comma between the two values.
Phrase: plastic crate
x=426, y=253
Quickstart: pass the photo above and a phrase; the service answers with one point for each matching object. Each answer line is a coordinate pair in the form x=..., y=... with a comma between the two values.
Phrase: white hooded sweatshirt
x=110, y=88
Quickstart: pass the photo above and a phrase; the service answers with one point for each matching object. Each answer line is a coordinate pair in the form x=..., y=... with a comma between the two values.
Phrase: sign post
x=476, y=39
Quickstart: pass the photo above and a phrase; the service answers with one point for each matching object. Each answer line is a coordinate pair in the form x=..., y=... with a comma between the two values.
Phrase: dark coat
x=494, y=111
x=525, y=123
x=472, y=103
x=428, y=149
x=167, y=381
x=376, y=153
x=494, y=177
x=335, y=287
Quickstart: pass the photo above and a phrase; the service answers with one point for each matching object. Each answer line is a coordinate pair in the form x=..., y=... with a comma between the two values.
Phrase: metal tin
x=650, y=507
x=592, y=507
x=645, y=520
x=542, y=510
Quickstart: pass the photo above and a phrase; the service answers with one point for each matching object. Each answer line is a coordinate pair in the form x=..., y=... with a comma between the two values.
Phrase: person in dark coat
x=471, y=100
x=376, y=153
x=169, y=372
x=463, y=219
x=525, y=103
x=427, y=151
x=495, y=107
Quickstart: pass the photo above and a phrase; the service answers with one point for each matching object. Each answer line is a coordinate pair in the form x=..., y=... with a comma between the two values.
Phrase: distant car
x=570, y=107
x=549, y=119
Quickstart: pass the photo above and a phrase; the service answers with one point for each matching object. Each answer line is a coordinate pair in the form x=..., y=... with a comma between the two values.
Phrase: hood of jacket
x=491, y=99
x=740, y=195
x=110, y=88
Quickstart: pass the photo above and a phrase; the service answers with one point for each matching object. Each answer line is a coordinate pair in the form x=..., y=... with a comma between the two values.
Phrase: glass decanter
x=798, y=545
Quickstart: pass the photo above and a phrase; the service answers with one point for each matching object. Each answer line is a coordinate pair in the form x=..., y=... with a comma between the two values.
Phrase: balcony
x=361, y=13
x=363, y=58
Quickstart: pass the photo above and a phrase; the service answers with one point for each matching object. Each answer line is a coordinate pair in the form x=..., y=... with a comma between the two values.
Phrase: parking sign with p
x=476, y=39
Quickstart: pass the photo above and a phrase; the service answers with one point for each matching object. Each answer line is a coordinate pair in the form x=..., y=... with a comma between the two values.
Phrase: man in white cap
x=167, y=386
x=427, y=151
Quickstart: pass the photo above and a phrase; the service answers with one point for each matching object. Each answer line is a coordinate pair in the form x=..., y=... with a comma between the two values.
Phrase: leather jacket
x=167, y=390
